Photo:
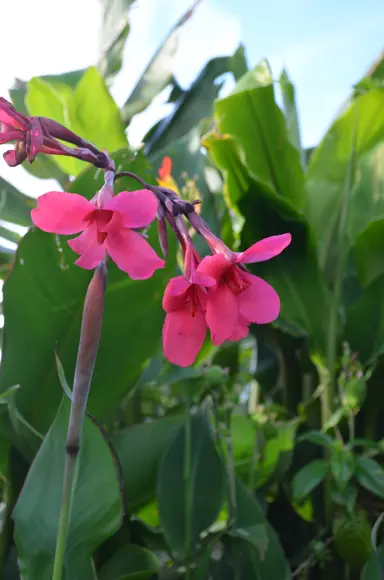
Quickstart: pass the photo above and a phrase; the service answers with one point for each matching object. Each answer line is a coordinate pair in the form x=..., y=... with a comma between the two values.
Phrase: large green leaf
x=368, y=192
x=114, y=32
x=44, y=166
x=254, y=544
x=140, y=450
x=96, y=511
x=87, y=110
x=364, y=328
x=368, y=252
x=328, y=166
x=370, y=475
x=191, y=106
x=185, y=514
x=130, y=563
x=159, y=72
x=43, y=300
x=291, y=114
x=15, y=207
x=264, y=212
x=251, y=115
x=309, y=477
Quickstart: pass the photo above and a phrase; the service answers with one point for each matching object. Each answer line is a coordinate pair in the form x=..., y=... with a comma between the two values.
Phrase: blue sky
x=325, y=45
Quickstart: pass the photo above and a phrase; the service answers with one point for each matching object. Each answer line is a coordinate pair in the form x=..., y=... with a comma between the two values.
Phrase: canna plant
x=224, y=419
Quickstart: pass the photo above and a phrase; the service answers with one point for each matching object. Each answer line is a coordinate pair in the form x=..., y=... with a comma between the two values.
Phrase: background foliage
x=263, y=460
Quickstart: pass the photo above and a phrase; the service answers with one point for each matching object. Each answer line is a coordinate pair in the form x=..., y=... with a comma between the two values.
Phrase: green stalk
x=230, y=470
x=86, y=357
x=333, y=323
x=187, y=489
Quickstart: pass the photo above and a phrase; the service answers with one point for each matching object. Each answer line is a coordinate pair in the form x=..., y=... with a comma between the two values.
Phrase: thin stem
x=66, y=505
x=187, y=489
x=333, y=324
x=86, y=357
x=230, y=470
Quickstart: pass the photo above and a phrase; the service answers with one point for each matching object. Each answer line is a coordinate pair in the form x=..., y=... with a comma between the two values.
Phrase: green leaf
x=309, y=477
x=96, y=510
x=374, y=567
x=294, y=274
x=192, y=105
x=130, y=563
x=367, y=312
x=206, y=491
x=291, y=114
x=45, y=276
x=252, y=116
x=15, y=207
x=114, y=33
x=140, y=450
x=368, y=192
x=9, y=235
x=257, y=554
x=318, y=438
x=277, y=454
x=159, y=72
x=329, y=162
x=88, y=110
x=368, y=252
x=370, y=475
x=342, y=464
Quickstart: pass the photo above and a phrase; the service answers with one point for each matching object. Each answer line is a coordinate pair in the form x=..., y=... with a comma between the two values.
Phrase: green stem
x=230, y=470
x=187, y=489
x=86, y=357
x=333, y=323
x=66, y=504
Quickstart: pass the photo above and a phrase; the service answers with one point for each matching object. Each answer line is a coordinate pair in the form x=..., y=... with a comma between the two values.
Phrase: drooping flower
x=27, y=132
x=107, y=224
x=185, y=301
x=239, y=298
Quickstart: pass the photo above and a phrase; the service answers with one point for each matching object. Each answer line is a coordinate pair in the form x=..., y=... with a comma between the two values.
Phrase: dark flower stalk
x=86, y=357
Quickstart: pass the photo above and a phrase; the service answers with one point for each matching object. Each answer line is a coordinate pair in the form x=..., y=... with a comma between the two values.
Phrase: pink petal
x=222, y=313
x=241, y=329
x=10, y=116
x=133, y=254
x=183, y=336
x=203, y=280
x=214, y=266
x=264, y=250
x=88, y=245
x=260, y=303
x=7, y=136
x=59, y=212
x=12, y=159
x=137, y=208
x=174, y=295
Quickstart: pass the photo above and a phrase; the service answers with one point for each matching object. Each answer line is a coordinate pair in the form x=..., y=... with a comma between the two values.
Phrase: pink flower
x=239, y=298
x=185, y=301
x=28, y=133
x=106, y=224
x=185, y=326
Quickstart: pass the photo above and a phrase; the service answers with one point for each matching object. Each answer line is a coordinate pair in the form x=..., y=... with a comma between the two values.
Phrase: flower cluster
x=215, y=293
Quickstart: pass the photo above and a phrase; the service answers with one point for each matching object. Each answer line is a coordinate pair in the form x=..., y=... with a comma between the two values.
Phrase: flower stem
x=86, y=357
x=187, y=489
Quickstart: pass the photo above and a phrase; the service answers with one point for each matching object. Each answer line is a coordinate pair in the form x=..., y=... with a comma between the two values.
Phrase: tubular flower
x=185, y=301
x=239, y=298
x=107, y=224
